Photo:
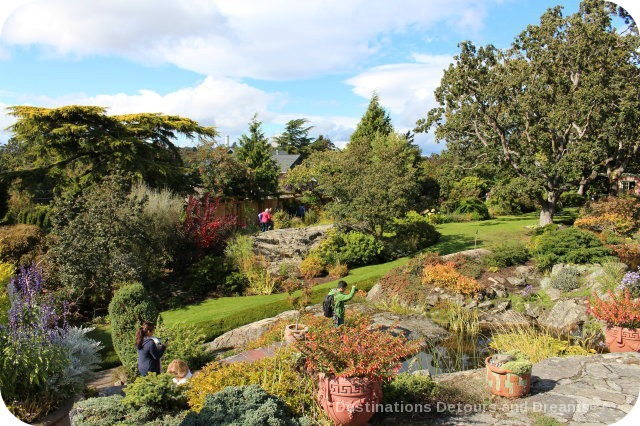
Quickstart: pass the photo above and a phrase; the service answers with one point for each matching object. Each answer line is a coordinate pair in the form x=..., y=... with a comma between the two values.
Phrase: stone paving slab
x=580, y=390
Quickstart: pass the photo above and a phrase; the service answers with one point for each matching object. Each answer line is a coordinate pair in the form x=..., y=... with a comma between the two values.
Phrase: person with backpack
x=333, y=305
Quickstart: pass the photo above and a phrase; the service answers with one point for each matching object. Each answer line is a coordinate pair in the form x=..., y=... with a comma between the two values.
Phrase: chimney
x=226, y=140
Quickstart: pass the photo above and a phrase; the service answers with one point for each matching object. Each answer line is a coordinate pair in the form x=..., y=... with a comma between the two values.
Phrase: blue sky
x=221, y=61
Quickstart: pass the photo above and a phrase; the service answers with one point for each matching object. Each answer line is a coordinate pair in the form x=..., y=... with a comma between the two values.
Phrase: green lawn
x=216, y=316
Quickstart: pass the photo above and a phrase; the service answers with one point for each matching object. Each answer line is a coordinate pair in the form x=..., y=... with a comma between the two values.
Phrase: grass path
x=216, y=316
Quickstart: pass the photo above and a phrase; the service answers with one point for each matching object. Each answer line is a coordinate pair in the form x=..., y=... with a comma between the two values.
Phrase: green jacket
x=339, y=299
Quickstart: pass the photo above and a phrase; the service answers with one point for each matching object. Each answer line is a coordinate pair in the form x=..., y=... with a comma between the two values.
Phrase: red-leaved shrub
x=208, y=231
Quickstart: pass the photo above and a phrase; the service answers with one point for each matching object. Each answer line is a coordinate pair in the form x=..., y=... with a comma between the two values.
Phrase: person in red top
x=265, y=219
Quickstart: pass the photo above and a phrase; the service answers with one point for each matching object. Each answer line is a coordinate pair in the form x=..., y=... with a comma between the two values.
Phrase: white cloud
x=250, y=38
x=406, y=89
x=224, y=103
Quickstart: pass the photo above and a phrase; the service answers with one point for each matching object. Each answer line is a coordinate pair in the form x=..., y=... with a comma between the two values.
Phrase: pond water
x=456, y=353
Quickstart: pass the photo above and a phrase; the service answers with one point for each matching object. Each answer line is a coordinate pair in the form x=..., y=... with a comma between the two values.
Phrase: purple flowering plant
x=529, y=293
x=631, y=281
x=32, y=353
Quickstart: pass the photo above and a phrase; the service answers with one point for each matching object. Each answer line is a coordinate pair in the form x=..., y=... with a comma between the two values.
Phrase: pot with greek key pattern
x=349, y=401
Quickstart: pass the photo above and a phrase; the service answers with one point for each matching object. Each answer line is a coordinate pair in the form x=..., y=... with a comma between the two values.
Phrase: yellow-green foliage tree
x=62, y=150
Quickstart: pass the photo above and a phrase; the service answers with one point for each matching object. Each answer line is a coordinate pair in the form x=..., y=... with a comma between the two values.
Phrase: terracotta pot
x=622, y=339
x=292, y=334
x=506, y=383
x=349, y=400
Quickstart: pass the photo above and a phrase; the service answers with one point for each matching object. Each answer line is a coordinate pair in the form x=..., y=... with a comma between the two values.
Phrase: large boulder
x=412, y=326
x=376, y=294
x=565, y=316
x=477, y=254
x=503, y=316
x=241, y=336
x=289, y=245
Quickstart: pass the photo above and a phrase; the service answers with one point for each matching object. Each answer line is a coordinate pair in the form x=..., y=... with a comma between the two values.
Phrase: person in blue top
x=150, y=350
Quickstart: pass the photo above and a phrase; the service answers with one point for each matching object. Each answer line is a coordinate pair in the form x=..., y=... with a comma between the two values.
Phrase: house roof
x=286, y=161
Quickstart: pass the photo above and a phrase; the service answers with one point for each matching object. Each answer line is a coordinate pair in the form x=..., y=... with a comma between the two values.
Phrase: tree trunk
x=549, y=207
x=613, y=187
x=581, y=189
x=614, y=175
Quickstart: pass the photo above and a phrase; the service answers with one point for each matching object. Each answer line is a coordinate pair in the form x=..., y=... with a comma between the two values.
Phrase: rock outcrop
x=241, y=336
x=288, y=245
x=412, y=326
x=565, y=316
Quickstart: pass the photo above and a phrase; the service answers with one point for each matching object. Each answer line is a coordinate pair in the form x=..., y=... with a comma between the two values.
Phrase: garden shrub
x=187, y=344
x=567, y=279
x=569, y=245
x=38, y=215
x=507, y=254
x=208, y=275
x=236, y=283
x=33, y=355
x=161, y=214
x=208, y=232
x=468, y=187
x=281, y=220
x=110, y=410
x=260, y=280
x=359, y=249
x=468, y=266
x=628, y=253
x=447, y=277
x=572, y=199
x=338, y=270
x=405, y=282
x=311, y=266
x=278, y=375
x=353, y=248
x=408, y=388
x=239, y=252
x=19, y=243
x=6, y=271
x=414, y=232
x=474, y=207
x=129, y=307
x=242, y=406
x=311, y=217
x=100, y=240
x=616, y=214
x=84, y=358
x=156, y=391
x=514, y=196
x=103, y=411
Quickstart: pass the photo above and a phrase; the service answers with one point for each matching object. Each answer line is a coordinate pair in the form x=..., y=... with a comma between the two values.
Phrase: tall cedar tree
x=295, y=138
x=376, y=121
x=63, y=150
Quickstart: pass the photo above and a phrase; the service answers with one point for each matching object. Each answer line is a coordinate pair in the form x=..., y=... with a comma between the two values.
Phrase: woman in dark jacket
x=150, y=350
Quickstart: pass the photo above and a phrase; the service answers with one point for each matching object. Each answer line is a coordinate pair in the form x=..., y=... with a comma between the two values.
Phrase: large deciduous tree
x=255, y=152
x=557, y=105
x=220, y=171
x=372, y=183
x=63, y=150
